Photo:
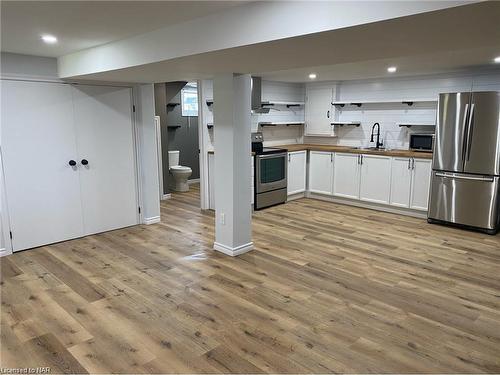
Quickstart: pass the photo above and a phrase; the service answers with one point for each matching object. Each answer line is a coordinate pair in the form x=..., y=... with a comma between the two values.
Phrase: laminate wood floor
x=328, y=288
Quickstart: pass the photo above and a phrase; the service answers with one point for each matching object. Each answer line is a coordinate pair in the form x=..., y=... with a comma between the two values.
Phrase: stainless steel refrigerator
x=466, y=162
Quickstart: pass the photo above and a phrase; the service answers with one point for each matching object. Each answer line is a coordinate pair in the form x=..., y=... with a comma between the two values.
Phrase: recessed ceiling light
x=312, y=76
x=497, y=59
x=392, y=69
x=49, y=39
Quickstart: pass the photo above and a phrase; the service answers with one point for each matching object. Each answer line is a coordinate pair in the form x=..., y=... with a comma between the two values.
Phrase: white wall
x=388, y=115
x=16, y=66
x=271, y=91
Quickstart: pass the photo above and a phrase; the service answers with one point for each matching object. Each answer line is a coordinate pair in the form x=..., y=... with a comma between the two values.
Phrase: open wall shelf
x=410, y=124
x=359, y=103
x=346, y=123
x=287, y=123
x=287, y=104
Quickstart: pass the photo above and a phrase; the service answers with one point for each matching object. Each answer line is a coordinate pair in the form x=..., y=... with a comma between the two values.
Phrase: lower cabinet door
x=346, y=175
x=106, y=161
x=375, y=180
x=321, y=172
x=421, y=182
x=297, y=163
x=401, y=182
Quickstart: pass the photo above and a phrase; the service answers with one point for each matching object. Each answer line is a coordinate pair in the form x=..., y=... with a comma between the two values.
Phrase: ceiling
x=84, y=24
x=434, y=42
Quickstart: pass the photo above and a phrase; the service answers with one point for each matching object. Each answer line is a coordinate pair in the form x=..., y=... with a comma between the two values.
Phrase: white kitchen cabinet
x=321, y=172
x=297, y=164
x=53, y=194
x=346, y=175
x=375, y=178
x=319, y=111
x=421, y=179
x=401, y=176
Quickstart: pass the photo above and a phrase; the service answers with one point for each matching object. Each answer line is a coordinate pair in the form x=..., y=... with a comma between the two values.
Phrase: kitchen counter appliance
x=421, y=142
x=466, y=162
x=270, y=177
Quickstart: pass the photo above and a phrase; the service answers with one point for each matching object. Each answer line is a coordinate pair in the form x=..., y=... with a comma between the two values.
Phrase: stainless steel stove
x=270, y=174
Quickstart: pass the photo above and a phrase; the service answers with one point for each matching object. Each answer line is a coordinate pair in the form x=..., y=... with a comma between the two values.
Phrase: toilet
x=179, y=174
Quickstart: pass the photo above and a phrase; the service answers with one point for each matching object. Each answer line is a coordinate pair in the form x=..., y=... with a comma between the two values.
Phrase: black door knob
x=85, y=161
x=72, y=163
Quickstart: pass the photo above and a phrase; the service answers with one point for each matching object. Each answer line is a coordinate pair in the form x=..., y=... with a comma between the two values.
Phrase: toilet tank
x=173, y=158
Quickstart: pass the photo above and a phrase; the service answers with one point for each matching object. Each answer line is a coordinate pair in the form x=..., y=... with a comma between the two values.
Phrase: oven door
x=270, y=172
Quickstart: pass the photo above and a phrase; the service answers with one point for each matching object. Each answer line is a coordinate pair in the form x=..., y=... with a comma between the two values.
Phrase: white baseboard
x=152, y=220
x=4, y=252
x=295, y=196
x=166, y=196
x=193, y=181
x=233, y=251
x=372, y=206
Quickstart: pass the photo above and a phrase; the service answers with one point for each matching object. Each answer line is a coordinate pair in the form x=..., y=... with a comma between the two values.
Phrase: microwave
x=421, y=142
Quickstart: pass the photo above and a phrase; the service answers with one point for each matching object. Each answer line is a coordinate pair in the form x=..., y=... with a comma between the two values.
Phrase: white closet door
x=38, y=141
x=104, y=127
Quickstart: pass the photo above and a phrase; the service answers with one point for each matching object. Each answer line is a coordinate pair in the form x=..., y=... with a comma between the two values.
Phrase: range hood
x=257, y=105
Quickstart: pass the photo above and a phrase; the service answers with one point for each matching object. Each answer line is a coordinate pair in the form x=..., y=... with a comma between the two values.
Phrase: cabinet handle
x=72, y=163
x=409, y=163
x=331, y=158
x=361, y=159
x=288, y=157
x=328, y=114
x=85, y=162
x=413, y=163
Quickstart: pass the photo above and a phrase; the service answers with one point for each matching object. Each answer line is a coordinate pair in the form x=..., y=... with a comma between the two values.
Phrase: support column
x=232, y=126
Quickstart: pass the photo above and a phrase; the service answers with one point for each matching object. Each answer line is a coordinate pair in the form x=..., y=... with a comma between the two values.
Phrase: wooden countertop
x=351, y=150
x=331, y=148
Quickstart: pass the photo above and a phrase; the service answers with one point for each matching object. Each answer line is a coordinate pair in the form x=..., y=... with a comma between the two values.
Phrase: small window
x=189, y=101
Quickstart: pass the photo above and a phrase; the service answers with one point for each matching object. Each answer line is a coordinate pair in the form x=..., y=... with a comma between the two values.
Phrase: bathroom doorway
x=177, y=109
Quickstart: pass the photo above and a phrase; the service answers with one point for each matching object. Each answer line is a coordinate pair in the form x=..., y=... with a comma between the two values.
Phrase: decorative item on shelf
x=346, y=123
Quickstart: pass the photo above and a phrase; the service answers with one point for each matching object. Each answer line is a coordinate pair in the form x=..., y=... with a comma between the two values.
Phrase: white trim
x=166, y=196
x=233, y=251
x=159, y=155
x=369, y=205
x=193, y=181
x=5, y=252
x=152, y=220
x=294, y=196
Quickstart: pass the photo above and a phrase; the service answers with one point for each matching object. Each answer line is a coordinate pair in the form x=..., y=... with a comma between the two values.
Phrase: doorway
x=177, y=110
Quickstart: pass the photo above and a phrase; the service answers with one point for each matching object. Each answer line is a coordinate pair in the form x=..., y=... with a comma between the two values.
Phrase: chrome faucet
x=379, y=143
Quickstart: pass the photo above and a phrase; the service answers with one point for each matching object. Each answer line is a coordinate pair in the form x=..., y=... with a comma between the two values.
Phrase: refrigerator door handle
x=469, y=131
x=462, y=177
x=464, y=124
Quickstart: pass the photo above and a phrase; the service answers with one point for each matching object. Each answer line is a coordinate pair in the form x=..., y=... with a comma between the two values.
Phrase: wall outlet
x=223, y=219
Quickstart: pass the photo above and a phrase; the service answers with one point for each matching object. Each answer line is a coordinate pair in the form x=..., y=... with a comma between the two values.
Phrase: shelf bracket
x=409, y=103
